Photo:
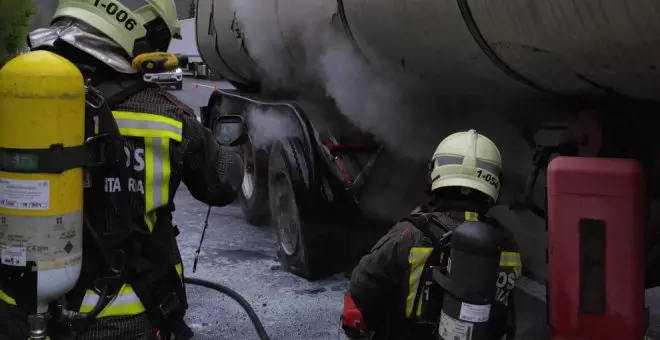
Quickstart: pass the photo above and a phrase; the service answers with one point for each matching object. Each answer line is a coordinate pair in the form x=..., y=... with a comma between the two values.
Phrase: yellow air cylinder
x=42, y=104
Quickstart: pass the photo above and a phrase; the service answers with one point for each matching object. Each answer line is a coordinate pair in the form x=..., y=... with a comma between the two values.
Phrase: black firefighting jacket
x=165, y=145
x=385, y=283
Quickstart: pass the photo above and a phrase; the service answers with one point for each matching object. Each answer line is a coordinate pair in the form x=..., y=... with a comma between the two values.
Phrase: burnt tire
x=303, y=240
x=253, y=195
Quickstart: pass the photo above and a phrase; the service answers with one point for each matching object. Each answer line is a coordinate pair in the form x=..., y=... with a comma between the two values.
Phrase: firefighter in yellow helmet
x=392, y=286
x=130, y=286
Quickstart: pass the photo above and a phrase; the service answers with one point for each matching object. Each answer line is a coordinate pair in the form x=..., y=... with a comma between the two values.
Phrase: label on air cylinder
x=474, y=313
x=52, y=241
x=24, y=194
x=452, y=329
x=13, y=256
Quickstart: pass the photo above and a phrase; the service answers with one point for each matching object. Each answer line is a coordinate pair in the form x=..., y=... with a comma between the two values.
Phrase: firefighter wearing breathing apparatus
x=140, y=144
x=446, y=271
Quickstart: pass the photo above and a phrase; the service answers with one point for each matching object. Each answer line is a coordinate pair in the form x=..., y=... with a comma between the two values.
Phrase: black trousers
x=13, y=323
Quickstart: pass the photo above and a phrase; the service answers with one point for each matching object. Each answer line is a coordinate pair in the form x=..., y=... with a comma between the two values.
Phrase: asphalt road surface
x=243, y=258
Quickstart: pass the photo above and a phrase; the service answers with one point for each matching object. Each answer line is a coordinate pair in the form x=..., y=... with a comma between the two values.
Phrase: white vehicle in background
x=170, y=78
x=194, y=65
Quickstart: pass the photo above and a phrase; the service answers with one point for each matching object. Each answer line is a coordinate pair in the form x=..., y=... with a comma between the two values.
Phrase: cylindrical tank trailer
x=464, y=46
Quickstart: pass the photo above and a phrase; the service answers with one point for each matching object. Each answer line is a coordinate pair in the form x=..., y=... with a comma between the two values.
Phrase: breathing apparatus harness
x=129, y=254
x=435, y=276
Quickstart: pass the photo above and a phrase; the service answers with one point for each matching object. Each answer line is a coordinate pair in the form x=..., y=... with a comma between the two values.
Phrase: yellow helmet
x=147, y=29
x=467, y=159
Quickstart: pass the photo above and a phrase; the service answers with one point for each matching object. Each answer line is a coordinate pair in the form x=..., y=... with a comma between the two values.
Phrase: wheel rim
x=247, y=187
x=286, y=214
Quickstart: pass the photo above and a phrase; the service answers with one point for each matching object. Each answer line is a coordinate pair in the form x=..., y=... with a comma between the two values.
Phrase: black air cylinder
x=473, y=267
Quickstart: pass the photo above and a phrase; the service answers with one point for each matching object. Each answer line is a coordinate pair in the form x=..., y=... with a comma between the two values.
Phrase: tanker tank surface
x=467, y=46
x=346, y=100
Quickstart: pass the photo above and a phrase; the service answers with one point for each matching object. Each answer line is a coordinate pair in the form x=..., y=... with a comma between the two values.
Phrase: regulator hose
x=258, y=326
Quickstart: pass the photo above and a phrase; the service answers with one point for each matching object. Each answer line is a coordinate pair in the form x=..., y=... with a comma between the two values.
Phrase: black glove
x=235, y=172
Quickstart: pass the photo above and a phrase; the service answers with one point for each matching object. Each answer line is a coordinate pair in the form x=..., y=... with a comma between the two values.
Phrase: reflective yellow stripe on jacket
x=471, y=216
x=7, y=299
x=511, y=259
x=507, y=258
x=417, y=259
x=157, y=132
x=125, y=303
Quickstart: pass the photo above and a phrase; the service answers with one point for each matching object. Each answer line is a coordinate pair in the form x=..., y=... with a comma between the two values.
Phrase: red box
x=595, y=249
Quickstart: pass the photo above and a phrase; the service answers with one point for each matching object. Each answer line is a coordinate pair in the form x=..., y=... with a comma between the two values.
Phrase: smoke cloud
x=269, y=125
x=374, y=103
x=297, y=50
x=258, y=22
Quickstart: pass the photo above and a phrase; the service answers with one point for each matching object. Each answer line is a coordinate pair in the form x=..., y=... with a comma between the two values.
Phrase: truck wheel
x=179, y=85
x=301, y=241
x=254, y=190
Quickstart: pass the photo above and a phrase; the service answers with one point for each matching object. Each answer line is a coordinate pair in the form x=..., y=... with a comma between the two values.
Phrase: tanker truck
x=347, y=99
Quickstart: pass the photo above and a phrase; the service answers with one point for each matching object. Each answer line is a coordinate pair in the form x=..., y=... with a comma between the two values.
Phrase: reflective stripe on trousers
x=417, y=259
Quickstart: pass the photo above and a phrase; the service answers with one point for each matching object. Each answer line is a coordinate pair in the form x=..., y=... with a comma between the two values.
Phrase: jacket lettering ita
x=134, y=160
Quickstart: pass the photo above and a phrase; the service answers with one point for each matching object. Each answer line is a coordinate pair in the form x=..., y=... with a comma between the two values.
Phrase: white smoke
x=269, y=125
x=258, y=22
x=298, y=48
x=372, y=102
x=316, y=56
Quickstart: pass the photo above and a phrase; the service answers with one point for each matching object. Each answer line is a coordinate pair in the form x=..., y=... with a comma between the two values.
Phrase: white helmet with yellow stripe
x=467, y=159
x=149, y=28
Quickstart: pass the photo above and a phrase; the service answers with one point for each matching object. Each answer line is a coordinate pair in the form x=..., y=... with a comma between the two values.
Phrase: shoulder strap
x=116, y=91
x=421, y=221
